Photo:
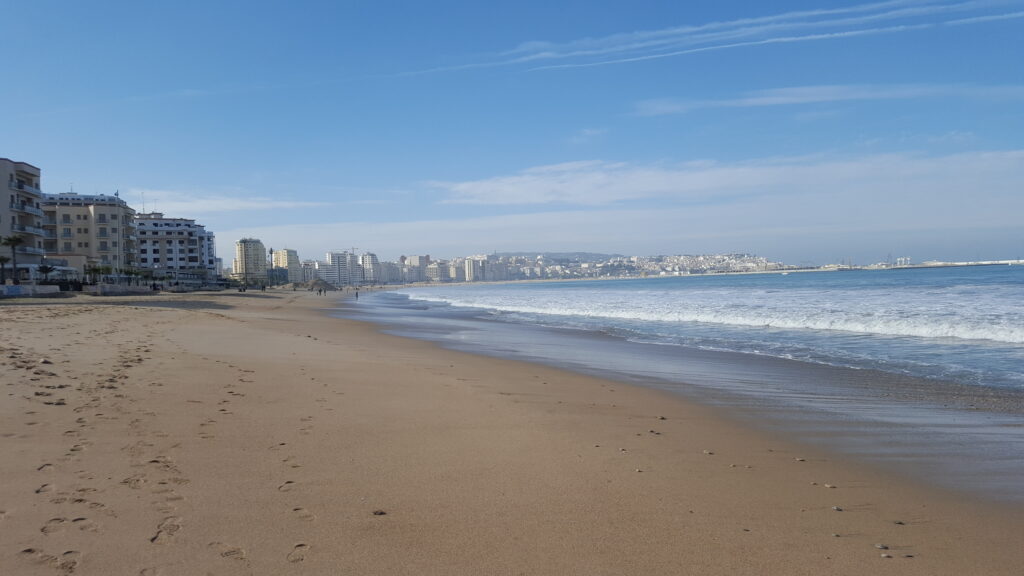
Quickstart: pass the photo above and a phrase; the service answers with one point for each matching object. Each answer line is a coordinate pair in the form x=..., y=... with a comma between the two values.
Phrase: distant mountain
x=562, y=256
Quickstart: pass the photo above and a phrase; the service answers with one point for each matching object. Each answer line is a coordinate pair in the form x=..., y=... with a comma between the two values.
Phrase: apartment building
x=21, y=213
x=288, y=260
x=371, y=268
x=250, y=265
x=90, y=231
x=341, y=269
x=176, y=248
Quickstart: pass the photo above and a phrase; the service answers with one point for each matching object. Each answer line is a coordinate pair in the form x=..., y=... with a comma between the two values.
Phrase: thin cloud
x=598, y=183
x=587, y=135
x=888, y=17
x=191, y=204
x=884, y=199
x=829, y=93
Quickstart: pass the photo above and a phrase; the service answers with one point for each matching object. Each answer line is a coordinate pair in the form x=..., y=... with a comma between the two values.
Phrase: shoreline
x=255, y=433
x=964, y=438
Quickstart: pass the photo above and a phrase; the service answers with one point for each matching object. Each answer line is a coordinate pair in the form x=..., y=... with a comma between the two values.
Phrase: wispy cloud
x=830, y=93
x=875, y=18
x=811, y=208
x=587, y=135
x=191, y=204
x=598, y=183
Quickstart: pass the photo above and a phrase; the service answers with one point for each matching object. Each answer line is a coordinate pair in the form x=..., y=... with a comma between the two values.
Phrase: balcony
x=48, y=222
x=26, y=208
x=22, y=187
x=28, y=229
x=30, y=250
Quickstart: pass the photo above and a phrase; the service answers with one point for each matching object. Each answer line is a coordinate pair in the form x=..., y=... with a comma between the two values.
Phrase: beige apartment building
x=91, y=232
x=250, y=265
x=288, y=260
x=21, y=214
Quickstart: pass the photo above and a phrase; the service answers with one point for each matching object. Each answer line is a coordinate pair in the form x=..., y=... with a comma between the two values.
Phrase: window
x=65, y=218
x=66, y=233
x=103, y=231
x=67, y=247
x=113, y=230
x=113, y=243
x=144, y=260
x=103, y=245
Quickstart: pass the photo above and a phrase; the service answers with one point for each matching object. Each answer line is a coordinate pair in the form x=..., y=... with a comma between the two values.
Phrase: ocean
x=896, y=366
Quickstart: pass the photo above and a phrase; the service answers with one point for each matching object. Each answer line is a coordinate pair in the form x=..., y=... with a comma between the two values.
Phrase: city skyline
x=806, y=135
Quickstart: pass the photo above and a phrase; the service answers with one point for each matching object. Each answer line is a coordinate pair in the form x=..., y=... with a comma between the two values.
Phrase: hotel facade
x=21, y=213
x=175, y=248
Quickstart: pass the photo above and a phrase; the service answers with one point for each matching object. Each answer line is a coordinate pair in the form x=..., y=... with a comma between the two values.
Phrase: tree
x=3, y=271
x=13, y=242
x=45, y=270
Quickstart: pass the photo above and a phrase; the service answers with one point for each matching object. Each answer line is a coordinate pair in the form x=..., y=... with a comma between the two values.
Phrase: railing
x=24, y=188
x=30, y=250
x=23, y=207
x=50, y=222
x=28, y=229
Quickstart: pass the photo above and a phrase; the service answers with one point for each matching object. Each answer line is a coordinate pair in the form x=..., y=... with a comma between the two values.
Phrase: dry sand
x=251, y=434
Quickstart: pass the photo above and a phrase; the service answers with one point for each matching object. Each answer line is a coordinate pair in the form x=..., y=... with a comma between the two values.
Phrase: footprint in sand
x=166, y=530
x=84, y=524
x=303, y=514
x=134, y=481
x=226, y=551
x=288, y=485
x=298, y=553
x=65, y=562
x=53, y=525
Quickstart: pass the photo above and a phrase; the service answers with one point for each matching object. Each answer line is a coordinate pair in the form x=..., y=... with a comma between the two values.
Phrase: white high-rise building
x=335, y=270
x=250, y=265
x=371, y=268
x=175, y=247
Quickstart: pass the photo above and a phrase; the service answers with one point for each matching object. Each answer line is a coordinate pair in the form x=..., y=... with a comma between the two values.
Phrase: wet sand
x=253, y=434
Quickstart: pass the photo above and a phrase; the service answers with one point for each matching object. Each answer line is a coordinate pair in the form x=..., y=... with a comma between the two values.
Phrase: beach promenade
x=251, y=433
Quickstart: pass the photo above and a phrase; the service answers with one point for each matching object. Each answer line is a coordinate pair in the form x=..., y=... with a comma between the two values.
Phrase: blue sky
x=801, y=131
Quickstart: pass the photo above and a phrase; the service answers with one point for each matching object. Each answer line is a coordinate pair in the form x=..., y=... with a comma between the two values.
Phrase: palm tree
x=3, y=271
x=45, y=270
x=13, y=242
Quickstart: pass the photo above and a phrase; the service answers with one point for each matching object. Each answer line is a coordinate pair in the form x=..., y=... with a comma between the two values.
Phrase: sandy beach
x=252, y=433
